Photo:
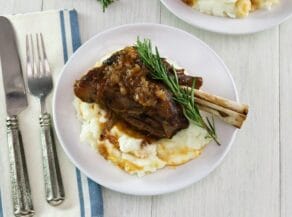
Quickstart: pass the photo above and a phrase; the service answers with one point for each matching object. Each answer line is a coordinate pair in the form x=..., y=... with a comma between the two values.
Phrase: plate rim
x=131, y=191
x=261, y=29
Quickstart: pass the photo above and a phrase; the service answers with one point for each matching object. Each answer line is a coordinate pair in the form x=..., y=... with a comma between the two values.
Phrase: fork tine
x=29, y=69
x=44, y=54
x=43, y=46
x=34, y=65
x=40, y=57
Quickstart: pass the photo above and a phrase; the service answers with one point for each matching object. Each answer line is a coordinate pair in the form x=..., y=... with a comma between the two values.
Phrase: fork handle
x=53, y=180
x=21, y=194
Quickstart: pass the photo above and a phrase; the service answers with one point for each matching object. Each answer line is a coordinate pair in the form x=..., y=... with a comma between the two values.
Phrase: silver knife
x=16, y=102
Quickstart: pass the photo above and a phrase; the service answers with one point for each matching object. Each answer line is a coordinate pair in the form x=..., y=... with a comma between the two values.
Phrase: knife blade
x=16, y=102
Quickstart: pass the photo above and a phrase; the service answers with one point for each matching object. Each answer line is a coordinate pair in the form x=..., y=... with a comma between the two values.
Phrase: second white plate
x=255, y=22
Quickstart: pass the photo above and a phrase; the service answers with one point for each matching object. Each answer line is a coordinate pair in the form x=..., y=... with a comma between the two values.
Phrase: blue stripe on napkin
x=95, y=194
x=63, y=36
x=95, y=199
x=74, y=30
x=1, y=208
x=80, y=190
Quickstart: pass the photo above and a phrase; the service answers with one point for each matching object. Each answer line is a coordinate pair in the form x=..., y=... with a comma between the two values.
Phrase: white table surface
x=255, y=179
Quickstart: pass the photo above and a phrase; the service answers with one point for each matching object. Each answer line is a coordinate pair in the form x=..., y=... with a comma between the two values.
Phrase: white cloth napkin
x=83, y=196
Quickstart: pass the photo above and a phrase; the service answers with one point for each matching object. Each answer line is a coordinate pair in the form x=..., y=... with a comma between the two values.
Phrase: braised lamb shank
x=123, y=86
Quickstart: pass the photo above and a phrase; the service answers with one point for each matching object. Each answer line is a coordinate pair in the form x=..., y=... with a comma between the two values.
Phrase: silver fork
x=40, y=84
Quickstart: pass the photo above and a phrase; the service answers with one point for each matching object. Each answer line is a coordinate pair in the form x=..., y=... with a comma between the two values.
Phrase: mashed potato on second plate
x=230, y=8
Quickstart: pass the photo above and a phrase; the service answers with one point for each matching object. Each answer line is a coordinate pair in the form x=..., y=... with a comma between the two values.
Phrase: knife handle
x=21, y=194
x=53, y=180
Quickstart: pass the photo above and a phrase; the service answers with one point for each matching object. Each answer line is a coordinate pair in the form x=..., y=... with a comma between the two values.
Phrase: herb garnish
x=185, y=97
x=105, y=3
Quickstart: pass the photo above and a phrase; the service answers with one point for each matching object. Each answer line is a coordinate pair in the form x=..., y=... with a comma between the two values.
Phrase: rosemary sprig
x=105, y=3
x=184, y=97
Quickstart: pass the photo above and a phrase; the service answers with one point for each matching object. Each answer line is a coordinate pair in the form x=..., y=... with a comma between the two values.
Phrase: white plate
x=187, y=51
x=257, y=21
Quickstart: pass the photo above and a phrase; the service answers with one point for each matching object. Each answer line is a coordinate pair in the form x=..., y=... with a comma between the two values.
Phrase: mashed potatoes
x=128, y=152
x=230, y=8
